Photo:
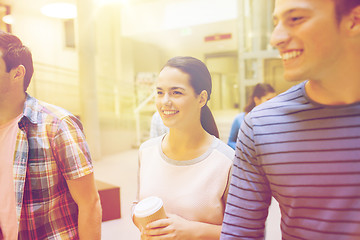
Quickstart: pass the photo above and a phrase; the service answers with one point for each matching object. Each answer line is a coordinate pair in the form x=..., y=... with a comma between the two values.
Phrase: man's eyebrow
x=286, y=13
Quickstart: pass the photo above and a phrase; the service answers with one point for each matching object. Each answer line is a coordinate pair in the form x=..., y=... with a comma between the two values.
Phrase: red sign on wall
x=218, y=37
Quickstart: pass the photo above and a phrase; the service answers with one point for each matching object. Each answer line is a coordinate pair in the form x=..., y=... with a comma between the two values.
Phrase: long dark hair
x=200, y=79
x=260, y=90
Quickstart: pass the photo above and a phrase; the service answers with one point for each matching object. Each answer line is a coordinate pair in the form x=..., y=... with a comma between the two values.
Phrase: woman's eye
x=159, y=92
x=177, y=93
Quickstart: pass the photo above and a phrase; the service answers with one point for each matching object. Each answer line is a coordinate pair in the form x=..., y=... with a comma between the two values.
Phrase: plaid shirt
x=50, y=149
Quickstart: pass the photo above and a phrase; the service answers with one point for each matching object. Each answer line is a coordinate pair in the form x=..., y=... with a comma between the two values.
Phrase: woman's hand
x=174, y=227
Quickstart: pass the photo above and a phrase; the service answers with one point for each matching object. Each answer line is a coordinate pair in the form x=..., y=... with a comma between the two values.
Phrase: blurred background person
x=261, y=93
x=157, y=127
x=188, y=167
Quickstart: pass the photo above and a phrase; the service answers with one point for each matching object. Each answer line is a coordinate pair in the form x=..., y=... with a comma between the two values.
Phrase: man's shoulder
x=54, y=110
x=39, y=112
x=291, y=98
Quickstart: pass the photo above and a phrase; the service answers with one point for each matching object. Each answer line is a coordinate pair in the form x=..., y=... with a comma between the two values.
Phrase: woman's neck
x=186, y=145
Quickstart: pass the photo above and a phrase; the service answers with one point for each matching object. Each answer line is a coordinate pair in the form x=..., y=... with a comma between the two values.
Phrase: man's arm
x=249, y=194
x=74, y=161
x=85, y=194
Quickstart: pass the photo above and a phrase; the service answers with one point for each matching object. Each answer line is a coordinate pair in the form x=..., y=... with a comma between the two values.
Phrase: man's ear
x=352, y=22
x=203, y=98
x=18, y=73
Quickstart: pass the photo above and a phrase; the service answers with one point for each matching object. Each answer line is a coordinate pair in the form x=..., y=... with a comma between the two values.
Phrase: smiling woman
x=187, y=77
x=180, y=165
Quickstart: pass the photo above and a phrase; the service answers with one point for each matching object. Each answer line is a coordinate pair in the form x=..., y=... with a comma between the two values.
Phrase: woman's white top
x=193, y=189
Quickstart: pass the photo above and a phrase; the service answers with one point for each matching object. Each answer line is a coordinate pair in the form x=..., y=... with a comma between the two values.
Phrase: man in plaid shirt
x=47, y=186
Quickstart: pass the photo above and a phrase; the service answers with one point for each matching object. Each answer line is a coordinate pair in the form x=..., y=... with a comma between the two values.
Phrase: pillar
x=87, y=76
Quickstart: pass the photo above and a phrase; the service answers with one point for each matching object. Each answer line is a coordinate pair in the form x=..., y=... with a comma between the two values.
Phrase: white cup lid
x=148, y=206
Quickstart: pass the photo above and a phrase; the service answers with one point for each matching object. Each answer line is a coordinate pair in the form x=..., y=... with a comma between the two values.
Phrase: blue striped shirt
x=307, y=156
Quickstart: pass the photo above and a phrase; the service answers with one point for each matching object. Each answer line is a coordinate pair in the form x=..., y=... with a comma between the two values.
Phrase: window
x=69, y=32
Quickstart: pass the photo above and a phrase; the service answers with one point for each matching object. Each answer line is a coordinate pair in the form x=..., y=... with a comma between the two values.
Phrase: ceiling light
x=60, y=10
x=104, y=2
x=8, y=19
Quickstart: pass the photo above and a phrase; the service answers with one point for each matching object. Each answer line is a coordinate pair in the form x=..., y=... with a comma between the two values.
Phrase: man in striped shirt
x=303, y=146
x=47, y=187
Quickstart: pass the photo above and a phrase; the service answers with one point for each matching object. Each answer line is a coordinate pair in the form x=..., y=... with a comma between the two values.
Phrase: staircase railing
x=137, y=111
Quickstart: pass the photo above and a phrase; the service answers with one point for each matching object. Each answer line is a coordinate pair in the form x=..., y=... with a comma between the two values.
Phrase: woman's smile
x=169, y=113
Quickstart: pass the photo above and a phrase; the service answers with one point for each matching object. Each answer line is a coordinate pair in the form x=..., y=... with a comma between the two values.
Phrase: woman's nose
x=166, y=99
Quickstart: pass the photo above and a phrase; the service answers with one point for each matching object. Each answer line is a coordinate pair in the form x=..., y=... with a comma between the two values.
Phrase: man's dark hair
x=14, y=54
x=344, y=7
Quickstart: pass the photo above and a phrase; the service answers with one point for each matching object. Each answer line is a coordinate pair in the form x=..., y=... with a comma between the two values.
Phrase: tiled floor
x=121, y=170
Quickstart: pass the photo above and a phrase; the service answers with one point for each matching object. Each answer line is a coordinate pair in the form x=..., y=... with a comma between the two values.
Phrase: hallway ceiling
x=183, y=24
x=183, y=39
x=192, y=39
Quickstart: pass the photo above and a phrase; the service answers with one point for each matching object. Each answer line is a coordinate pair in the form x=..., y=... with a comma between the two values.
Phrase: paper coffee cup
x=148, y=210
